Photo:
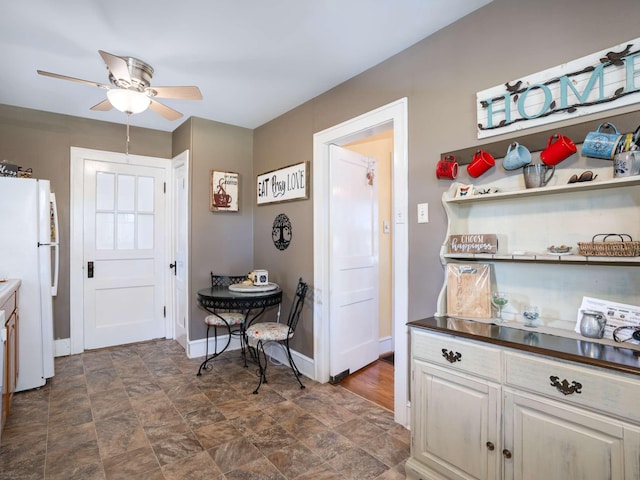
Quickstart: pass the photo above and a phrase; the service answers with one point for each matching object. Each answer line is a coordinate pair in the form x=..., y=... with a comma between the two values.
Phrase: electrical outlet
x=423, y=213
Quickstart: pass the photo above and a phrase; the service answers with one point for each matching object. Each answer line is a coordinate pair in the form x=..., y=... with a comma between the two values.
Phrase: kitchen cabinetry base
x=493, y=412
x=416, y=471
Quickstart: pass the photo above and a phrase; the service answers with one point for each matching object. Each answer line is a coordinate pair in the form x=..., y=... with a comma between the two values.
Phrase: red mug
x=482, y=161
x=558, y=148
x=447, y=167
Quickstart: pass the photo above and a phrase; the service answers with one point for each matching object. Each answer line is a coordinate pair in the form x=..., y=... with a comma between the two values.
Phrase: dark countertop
x=611, y=357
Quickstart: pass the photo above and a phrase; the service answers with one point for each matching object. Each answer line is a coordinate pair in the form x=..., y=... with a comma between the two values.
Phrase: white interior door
x=180, y=248
x=354, y=261
x=124, y=253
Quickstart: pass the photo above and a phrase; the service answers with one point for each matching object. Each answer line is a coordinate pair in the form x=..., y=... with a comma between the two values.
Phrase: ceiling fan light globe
x=128, y=101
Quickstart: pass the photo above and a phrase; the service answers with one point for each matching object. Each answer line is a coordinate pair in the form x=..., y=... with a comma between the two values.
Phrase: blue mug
x=600, y=144
x=517, y=157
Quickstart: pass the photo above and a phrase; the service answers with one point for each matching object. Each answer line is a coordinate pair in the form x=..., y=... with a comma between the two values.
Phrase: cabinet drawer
x=456, y=354
x=598, y=389
x=9, y=306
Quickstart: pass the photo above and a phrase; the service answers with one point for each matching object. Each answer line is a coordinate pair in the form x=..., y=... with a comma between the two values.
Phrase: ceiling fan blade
x=117, y=66
x=73, y=79
x=103, y=106
x=166, y=112
x=187, y=93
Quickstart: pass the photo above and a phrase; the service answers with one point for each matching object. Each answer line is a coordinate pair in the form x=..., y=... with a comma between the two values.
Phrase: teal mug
x=600, y=144
x=517, y=157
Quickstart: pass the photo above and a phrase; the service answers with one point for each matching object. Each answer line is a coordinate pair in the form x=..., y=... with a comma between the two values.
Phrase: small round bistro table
x=251, y=301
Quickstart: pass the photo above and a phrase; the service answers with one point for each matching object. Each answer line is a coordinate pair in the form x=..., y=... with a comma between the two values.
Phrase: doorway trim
x=76, y=241
x=393, y=115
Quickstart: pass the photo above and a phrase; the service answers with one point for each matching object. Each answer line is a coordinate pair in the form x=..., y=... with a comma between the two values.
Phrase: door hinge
x=164, y=187
x=165, y=311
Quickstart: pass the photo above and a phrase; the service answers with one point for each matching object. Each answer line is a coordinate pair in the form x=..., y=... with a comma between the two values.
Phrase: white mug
x=259, y=277
x=626, y=164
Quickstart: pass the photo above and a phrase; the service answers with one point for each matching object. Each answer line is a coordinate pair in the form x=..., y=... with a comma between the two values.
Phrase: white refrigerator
x=29, y=251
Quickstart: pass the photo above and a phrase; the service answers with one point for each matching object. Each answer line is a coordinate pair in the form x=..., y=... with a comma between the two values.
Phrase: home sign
x=601, y=81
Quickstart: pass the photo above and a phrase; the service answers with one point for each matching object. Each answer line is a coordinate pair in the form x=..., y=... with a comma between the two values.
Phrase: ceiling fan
x=130, y=90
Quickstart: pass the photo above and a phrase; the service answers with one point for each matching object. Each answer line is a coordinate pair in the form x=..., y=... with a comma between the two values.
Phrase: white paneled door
x=354, y=329
x=124, y=252
x=180, y=232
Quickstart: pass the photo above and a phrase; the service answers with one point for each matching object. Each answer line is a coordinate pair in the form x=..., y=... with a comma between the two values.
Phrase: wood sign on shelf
x=473, y=243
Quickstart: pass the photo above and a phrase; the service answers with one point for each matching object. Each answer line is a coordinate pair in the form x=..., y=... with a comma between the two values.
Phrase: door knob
x=506, y=453
x=490, y=446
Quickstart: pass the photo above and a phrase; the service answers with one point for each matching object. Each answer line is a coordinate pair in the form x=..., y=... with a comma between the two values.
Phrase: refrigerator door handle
x=55, y=245
x=56, y=266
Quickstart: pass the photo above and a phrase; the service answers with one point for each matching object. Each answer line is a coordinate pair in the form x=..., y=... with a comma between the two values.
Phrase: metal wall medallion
x=281, y=232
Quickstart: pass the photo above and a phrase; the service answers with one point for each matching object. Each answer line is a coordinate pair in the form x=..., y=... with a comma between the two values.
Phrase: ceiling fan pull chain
x=128, y=118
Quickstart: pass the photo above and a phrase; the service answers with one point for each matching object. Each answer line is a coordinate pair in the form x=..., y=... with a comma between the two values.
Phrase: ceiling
x=253, y=60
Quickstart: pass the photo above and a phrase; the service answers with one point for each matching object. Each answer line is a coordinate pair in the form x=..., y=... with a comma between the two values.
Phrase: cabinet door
x=12, y=355
x=5, y=380
x=547, y=439
x=456, y=420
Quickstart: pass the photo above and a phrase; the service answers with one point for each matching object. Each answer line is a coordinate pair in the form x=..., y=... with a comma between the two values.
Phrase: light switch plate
x=423, y=213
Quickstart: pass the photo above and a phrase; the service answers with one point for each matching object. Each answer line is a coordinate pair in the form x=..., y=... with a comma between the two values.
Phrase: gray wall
x=440, y=76
x=219, y=241
x=42, y=141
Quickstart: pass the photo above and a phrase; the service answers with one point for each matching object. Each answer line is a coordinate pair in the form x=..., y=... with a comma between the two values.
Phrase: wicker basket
x=28, y=173
x=622, y=248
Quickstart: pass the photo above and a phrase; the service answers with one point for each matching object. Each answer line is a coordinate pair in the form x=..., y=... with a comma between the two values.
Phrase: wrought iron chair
x=259, y=334
x=223, y=319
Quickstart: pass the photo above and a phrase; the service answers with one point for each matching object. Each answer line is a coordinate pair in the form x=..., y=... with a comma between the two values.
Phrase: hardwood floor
x=373, y=382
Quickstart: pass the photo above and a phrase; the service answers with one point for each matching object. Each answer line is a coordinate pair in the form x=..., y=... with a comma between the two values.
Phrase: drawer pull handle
x=490, y=446
x=452, y=357
x=564, y=387
x=506, y=453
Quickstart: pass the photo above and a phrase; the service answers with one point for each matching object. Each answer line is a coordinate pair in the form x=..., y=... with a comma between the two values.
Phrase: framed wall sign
x=598, y=82
x=285, y=184
x=224, y=191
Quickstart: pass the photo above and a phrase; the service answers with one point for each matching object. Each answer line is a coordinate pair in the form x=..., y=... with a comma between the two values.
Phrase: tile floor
x=140, y=412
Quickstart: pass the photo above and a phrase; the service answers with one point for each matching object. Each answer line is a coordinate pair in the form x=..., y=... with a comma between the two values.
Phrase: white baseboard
x=386, y=345
x=198, y=348
x=62, y=347
x=305, y=364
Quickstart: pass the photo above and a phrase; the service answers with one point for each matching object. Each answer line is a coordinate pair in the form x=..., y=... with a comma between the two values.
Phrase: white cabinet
x=455, y=398
x=548, y=439
x=10, y=370
x=458, y=417
x=483, y=411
